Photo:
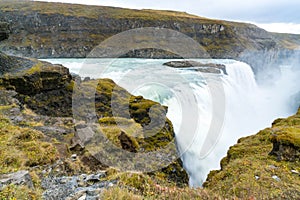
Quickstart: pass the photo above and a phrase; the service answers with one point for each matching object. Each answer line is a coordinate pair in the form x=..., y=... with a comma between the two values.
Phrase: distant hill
x=51, y=30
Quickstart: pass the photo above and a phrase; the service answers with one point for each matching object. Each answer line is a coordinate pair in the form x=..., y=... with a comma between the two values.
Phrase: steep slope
x=48, y=30
x=262, y=166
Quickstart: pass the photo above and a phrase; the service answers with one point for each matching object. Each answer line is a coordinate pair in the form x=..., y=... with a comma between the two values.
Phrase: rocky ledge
x=198, y=66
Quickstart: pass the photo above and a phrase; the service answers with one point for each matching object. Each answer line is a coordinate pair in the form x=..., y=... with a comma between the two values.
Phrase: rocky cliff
x=50, y=30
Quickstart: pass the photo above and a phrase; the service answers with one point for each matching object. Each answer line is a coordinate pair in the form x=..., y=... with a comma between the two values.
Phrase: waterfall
x=241, y=98
x=248, y=107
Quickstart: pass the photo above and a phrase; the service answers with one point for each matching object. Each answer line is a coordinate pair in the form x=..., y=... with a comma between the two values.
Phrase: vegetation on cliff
x=262, y=166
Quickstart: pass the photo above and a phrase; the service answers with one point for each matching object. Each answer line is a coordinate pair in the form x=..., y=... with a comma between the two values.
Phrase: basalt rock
x=17, y=178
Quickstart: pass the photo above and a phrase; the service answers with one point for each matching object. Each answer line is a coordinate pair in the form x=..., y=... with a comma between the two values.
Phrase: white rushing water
x=243, y=109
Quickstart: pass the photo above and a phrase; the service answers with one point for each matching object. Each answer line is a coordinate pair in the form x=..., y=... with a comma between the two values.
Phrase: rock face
x=17, y=178
x=262, y=165
x=201, y=67
x=40, y=85
x=51, y=30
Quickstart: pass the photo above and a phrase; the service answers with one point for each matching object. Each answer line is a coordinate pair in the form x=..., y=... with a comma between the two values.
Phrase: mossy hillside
x=292, y=41
x=22, y=148
x=249, y=171
x=91, y=11
x=154, y=186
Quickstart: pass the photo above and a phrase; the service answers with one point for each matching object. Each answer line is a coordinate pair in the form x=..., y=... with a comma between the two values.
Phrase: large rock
x=43, y=87
x=17, y=178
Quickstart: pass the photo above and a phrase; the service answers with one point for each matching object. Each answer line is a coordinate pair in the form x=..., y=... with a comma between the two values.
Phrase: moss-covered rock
x=286, y=138
x=42, y=86
x=130, y=122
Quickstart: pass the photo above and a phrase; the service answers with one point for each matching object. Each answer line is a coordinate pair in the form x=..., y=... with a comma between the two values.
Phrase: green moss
x=129, y=126
x=34, y=69
x=287, y=136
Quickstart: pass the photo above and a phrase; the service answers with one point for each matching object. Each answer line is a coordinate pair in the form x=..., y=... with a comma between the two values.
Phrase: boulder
x=17, y=178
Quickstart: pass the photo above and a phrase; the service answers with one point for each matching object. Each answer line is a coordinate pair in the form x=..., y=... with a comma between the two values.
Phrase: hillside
x=262, y=166
x=51, y=30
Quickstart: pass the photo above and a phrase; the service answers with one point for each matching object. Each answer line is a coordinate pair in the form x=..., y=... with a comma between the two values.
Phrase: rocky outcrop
x=17, y=178
x=45, y=88
x=286, y=139
x=198, y=66
x=51, y=30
